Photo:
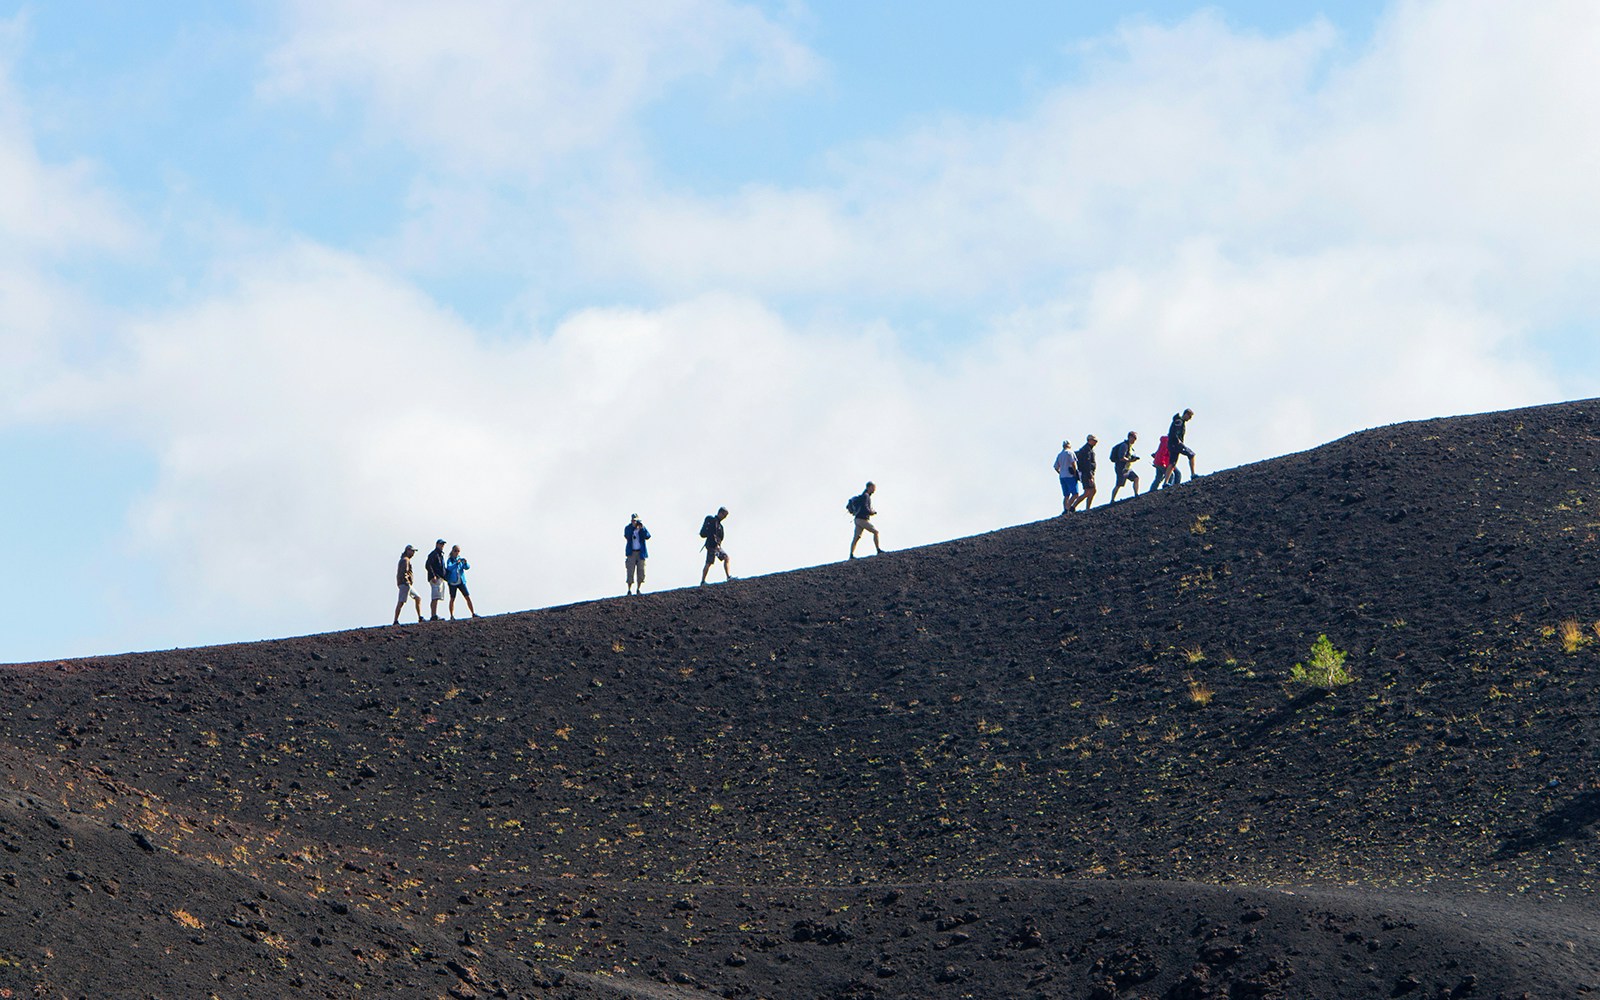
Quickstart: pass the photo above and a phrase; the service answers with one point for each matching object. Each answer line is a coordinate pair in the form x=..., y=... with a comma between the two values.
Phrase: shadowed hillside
x=1063, y=759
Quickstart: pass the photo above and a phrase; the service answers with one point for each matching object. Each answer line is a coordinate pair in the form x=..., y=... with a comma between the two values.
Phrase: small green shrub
x=1326, y=669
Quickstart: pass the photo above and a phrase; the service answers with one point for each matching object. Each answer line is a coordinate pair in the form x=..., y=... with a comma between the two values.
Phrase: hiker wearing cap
x=860, y=506
x=436, y=580
x=455, y=574
x=402, y=576
x=1067, y=468
x=636, y=551
x=712, y=531
x=1085, y=456
x=1122, y=458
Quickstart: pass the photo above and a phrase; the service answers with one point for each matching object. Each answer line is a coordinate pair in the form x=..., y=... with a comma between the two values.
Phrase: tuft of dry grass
x=1570, y=634
x=1199, y=694
x=188, y=920
x=1193, y=654
x=1199, y=525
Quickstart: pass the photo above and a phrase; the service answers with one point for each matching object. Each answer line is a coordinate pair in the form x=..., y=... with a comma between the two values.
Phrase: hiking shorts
x=863, y=525
x=407, y=592
x=715, y=552
x=459, y=588
x=1069, y=486
x=439, y=588
x=1126, y=475
x=1183, y=449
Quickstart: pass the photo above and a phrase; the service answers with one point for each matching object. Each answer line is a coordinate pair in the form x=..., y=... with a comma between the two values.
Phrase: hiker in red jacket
x=1162, y=460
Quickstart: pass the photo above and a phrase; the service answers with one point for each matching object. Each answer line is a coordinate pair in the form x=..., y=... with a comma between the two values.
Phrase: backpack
x=856, y=505
x=705, y=526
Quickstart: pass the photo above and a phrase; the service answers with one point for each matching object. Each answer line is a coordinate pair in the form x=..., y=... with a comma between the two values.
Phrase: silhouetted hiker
x=712, y=532
x=435, y=568
x=1122, y=457
x=860, y=507
x=1067, y=468
x=636, y=551
x=455, y=574
x=402, y=576
x=1166, y=475
x=1175, y=446
x=1086, y=465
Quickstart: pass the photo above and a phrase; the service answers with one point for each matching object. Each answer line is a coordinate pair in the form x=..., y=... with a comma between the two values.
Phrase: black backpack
x=856, y=505
x=706, y=525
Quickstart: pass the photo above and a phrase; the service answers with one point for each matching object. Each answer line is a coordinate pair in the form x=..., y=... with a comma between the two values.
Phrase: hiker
x=860, y=507
x=435, y=568
x=1122, y=457
x=636, y=551
x=1175, y=446
x=402, y=576
x=1067, y=468
x=1166, y=472
x=1086, y=473
x=455, y=574
x=712, y=531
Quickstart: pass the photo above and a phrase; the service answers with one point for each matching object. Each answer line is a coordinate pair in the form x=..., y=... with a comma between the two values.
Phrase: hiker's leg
x=399, y=608
x=470, y=609
x=417, y=600
x=854, y=538
x=727, y=571
x=877, y=541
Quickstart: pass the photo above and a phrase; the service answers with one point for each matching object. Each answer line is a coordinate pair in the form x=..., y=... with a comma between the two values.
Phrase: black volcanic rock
x=1063, y=759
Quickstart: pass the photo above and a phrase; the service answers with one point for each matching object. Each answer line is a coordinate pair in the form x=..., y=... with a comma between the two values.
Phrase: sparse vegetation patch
x=1324, y=668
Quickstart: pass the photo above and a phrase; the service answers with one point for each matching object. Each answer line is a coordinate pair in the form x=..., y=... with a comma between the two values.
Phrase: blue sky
x=287, y=285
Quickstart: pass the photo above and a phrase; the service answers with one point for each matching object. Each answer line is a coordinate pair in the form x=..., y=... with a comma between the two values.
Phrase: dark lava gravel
x=1065, y=759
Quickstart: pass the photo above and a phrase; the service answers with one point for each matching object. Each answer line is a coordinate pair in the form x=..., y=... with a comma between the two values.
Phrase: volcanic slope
x=1060, y=760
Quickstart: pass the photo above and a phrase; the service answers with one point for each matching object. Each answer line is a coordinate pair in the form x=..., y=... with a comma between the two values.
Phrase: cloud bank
x=1295, y=239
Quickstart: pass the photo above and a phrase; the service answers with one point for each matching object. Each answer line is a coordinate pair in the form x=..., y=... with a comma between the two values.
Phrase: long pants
x=635, y=568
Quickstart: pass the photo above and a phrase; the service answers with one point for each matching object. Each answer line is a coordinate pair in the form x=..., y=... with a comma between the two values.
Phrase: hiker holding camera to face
x=636, y=551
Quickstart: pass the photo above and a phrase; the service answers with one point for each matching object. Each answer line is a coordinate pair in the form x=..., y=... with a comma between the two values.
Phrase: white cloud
x=50, y=214
x=1294, y=245
x=321, y=414
x=1464, y=123
x=485, y=86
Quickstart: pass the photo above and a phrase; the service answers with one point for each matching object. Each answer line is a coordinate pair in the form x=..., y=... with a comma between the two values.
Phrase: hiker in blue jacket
x=636, y=551
x=455, y=574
